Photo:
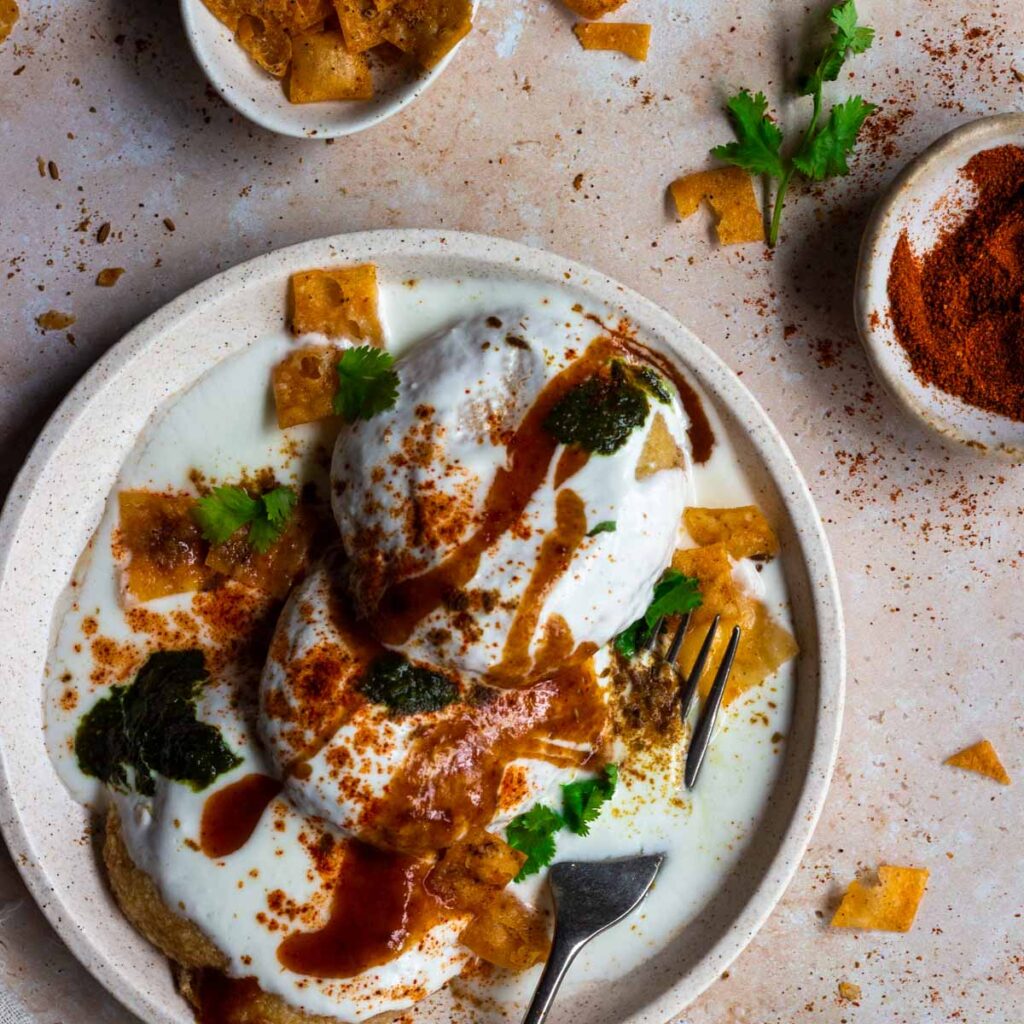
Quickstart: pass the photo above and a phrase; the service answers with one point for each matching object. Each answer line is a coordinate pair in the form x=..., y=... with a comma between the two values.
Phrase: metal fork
x=701, y=739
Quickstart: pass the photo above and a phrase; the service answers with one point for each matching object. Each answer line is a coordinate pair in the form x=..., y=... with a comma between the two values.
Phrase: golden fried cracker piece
x=323, y=69
x=9, y=14
x=305, y=382
x=729, y=191
x=982, y=758
x=274, y=571
x=659, y=452
x=341, y=303
x=593, y=8
x=362, y=23
x=428, y=29
x=631, y=38
x=849, y=991
x=508, y=934
x=744, y=530
x=266, y=42
x=764, y=646
x=889, y=906
x=165, y=547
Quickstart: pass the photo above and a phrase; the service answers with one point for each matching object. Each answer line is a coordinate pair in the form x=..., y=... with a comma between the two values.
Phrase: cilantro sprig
x=823, y=148
x=675, y=594
x=228, y=509
x=582, y=801
x=367, y=384
x=533, y=833
x=605, y=526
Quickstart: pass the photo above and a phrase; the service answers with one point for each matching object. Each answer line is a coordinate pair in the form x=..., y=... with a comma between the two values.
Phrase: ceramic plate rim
x=728, y=390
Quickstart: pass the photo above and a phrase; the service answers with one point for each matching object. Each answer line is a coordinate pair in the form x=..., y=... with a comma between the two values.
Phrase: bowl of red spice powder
x=940, y=286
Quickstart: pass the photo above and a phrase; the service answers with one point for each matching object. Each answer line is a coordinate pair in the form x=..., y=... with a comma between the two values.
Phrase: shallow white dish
x=911, y=205
x=260, y=97
x=56, y=503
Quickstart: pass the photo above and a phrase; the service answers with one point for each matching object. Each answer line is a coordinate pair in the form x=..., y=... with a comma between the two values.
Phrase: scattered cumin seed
x=54, y=320
x=19, y=70
x=169, y=224
x=577, y=182
x=41, y=166
x=104, y=232
x=109, y=277
x=54, y=170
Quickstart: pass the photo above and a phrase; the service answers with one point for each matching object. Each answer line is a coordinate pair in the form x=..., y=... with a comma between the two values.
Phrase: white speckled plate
x=921, y=201
x=56, y=503
x=261, y=98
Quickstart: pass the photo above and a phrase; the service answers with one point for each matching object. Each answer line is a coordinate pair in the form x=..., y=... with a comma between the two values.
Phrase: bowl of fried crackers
x=323, y=68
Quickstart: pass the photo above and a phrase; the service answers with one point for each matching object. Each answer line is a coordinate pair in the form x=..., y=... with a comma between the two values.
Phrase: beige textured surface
x=927, y=540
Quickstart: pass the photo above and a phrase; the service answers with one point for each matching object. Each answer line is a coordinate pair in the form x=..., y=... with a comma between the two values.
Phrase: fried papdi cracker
x=508, y=934
x=660, y=451
x=165, y=547
x=276, y=570
x=849, y=991
x=322, y=69
x=305, y=382
x=744, y=530
x=226, y=11
x=8, y=17
x=593, y=8
x=889, y=906
x=428, y=29
x=341, y=303
x=266, y=42
x=764, y=645
x=982, y=759
x=471, y=873
x=362, y=23
x=298, y=16
x=631, y=38
x=729, y=192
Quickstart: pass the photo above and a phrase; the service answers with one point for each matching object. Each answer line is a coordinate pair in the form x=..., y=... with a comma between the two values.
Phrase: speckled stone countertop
x=528, y=137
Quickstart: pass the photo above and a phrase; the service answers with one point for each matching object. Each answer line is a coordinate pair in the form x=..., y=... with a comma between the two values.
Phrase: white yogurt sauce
x=223, y=425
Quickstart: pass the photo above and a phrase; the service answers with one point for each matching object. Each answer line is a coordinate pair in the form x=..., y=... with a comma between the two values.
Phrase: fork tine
x=706, y=724
x=690, y=687
x=648, y=644
x=677, y=640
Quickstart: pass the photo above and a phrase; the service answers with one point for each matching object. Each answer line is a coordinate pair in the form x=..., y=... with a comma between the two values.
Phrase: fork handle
x=563, y=951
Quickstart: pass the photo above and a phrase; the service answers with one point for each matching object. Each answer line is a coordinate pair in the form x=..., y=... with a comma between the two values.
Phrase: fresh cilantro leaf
x=675, y=594
x=822, y=150
x=279, y=505
x=825, y=154
x=605, y=526
x=848, y=37
x=228, y=509
x=225, y=510
x=582, y=801
x=758, y=137
x=533, y=833
x=367, y=384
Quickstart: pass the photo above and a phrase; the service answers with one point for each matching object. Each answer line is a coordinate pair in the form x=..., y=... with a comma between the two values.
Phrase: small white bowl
x=260, y=97
x=912, y=203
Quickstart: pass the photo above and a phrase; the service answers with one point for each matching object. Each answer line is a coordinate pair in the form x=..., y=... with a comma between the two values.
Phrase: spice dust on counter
x=958, y=309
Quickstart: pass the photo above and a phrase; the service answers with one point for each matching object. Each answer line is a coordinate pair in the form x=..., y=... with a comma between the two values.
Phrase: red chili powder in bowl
x=958, y=309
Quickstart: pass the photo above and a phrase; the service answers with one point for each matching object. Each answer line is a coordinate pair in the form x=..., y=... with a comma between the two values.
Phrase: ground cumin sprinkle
x=958, y=310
